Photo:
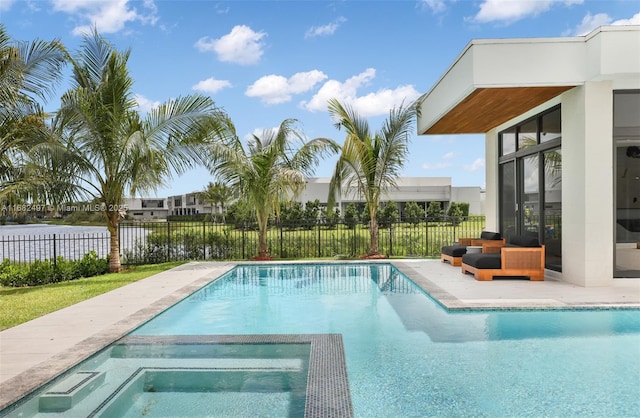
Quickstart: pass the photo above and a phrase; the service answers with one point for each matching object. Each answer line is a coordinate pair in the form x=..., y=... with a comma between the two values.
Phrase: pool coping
x=19, y=386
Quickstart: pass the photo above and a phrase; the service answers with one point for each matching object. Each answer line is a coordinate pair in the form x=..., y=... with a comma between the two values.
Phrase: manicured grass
x=22, y=304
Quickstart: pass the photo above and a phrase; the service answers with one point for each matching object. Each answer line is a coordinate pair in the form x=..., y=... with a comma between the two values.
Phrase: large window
x=626, y=136
x=531, y=182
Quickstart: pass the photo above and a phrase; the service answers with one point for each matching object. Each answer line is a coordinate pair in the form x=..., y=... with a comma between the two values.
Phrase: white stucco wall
x=587, y=184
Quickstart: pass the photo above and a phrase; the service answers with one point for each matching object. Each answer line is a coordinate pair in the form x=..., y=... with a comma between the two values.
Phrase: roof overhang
x=493, y=81
x=485, y=108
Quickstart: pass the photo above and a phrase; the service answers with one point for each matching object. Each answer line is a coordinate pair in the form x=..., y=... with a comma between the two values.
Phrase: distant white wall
x=469, y=195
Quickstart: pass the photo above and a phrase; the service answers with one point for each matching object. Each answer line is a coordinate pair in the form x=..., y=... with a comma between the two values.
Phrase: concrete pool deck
x=35, y=352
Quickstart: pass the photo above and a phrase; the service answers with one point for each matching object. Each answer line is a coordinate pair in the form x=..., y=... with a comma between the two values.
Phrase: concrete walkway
x=37, y=351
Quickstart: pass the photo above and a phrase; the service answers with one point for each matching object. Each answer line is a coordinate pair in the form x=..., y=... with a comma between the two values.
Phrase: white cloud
x=240, y=46
x=591, y=22
x=145, y=105
x=6, y=5
x=262, y=133
x=478, y=164
x=634, y=20
x=108, y=16
x=437, y=6
x=449, y=155
x=372, y=104
x=211, y=85
x=325, y=30
x=220, y=9
x=274, y=89
x=509, y=11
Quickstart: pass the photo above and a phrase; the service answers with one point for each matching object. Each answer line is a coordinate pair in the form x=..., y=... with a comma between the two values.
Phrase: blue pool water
x=406, y=356
x=221, y=352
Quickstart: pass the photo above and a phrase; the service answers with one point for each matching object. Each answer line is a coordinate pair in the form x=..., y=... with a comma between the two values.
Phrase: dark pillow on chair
x=482, y=261
x=490, y=235
x=454, y=250
x=524, y=241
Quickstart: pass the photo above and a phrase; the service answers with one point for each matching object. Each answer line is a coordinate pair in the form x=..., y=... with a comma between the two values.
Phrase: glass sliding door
x=508, y=203
x=530, y=219
x=531, y=182
x=626, y=126
x=552, y=211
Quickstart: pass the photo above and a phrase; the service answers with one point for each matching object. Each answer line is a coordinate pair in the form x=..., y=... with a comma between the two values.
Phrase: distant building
x=421, y=190
x=141, y=208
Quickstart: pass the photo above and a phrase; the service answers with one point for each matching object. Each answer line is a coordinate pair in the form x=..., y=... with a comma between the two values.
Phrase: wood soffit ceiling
x=486, y=108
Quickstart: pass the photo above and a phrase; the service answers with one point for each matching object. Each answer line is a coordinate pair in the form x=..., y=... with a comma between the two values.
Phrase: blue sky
x=266, y=61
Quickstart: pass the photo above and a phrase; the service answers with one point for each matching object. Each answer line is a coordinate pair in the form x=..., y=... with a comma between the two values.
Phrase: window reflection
x=551, y=128
x=508, y=141
x=528, y=134
x=553, y=208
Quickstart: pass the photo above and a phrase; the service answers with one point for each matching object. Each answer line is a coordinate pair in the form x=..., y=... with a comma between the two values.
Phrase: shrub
x=387, y=214
x=39, y=273
x=12, y=275
x=434, y=212
x=43, y=272
x=330, y=218
x=91, y=265
x=66, y=270
x=220, y=245
x=350, y=216
x=455, y=213
x=413, y=213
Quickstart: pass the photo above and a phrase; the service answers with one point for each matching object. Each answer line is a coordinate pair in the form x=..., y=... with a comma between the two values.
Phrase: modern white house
x=421, y=190
x=142, y=208
x=561, y=125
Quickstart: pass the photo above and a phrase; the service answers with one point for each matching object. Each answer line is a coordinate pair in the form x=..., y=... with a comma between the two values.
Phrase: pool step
x=66, y=394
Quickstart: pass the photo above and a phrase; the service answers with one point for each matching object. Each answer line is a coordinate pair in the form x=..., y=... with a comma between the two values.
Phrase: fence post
x=426, y=236
x=204, y=239
x=452, y=219
x=390, y=239
x=168, y=240
x=55, y=256
x=354, y=250
x=244, y=227
x=281, y=236
x=319, y=240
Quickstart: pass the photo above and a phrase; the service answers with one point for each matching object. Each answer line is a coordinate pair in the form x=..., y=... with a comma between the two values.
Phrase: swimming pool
x=405, y=355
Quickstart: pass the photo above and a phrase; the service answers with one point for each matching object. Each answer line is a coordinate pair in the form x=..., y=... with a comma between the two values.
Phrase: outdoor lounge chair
x=489, y=241
x=522, y=256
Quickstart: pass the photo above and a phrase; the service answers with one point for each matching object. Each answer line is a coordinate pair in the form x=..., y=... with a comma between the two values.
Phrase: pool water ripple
x=406, y=356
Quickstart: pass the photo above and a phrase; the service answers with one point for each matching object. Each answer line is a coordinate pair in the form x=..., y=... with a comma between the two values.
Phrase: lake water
x=26, y=243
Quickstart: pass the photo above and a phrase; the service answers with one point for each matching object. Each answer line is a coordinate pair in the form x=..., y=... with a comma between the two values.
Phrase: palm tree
x=29, y=71
x=370, y=164
x=107, y=150
x=269, y=171
x=216, y=194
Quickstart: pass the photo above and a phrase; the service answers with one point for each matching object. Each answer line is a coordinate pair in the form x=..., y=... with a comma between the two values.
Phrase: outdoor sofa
x=489, y=241
x=522, y=256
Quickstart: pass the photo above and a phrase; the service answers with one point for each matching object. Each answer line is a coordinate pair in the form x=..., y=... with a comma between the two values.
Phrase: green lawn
x=22, y=304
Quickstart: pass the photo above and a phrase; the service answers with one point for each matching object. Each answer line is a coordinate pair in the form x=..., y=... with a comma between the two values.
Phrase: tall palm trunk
x=113, y=218
x=263, y=249
x=373, y=234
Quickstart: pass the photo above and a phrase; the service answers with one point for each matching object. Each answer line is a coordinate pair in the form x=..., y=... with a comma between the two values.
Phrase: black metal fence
x=29, y=248
x=156, y=242
x=167, y=241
